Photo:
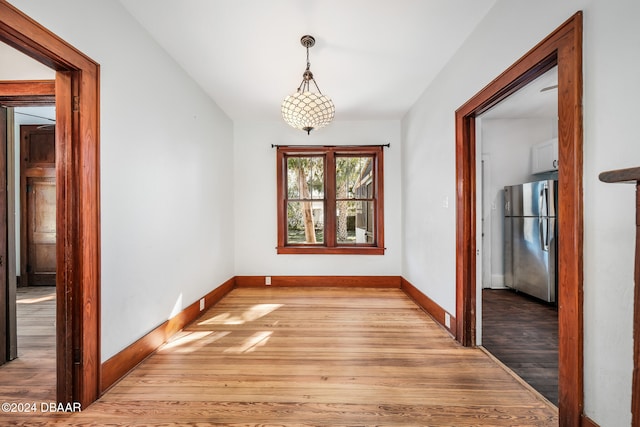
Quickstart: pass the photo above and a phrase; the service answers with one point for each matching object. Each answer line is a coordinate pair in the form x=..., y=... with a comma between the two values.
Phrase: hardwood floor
x=522, y=333
x=314, y=357
x=32, y=375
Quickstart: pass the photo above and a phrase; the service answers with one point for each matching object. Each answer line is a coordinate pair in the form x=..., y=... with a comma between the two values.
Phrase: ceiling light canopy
x=304, y=109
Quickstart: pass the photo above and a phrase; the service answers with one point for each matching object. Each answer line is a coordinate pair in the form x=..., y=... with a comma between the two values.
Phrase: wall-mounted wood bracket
x=632, y=176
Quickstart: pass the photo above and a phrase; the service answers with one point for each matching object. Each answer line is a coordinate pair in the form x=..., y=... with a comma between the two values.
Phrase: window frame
x=330, y=244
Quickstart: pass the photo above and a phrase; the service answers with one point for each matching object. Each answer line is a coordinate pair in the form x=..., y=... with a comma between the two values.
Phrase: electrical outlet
x=445, y=202
x=447, y=320
x=267, y=280
x=201, y=304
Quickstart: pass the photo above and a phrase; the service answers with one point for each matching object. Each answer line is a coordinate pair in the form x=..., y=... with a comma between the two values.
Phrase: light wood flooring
x=313, y=357
x=32, y=375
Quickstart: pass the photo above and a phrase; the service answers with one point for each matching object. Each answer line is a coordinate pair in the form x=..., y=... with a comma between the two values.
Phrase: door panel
x=38, y=205
x=41, y=232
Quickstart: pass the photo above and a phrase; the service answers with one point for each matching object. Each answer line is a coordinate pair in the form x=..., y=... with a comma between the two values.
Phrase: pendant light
x=304, y=109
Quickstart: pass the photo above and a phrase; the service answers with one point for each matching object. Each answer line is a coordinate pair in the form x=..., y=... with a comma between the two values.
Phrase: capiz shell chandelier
x=304, y=109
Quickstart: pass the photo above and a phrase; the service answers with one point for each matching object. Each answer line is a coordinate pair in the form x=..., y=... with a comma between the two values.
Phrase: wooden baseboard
x=317, y=281
x=120, y=364
x=587, y=422
x=431, y=307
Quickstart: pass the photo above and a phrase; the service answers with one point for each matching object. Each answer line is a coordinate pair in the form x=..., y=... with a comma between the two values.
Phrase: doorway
x=517, y=316
x=29, y=327
x=562, y=48
x=76, y=93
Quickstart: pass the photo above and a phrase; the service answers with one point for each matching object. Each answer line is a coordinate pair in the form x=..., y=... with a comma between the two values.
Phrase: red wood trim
x=587, y=422
x=465, y=230
x=330, y=245
x=338, y=250
x=26, y=35
x=87, y=188
x=321, y=281
x=281, y=173
x=120, y=364
x=65, y=290
x=379, y=195
x=330, y=223
x=27, y=93
x=77, y=204
x=570, y=221
x=429, y=306
x=564, y=48
x=28, y=88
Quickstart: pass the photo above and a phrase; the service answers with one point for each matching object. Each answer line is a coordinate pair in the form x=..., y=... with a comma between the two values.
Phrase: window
x=330, y=200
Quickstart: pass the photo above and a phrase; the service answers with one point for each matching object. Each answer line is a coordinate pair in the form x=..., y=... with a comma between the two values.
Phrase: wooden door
x=38, y=217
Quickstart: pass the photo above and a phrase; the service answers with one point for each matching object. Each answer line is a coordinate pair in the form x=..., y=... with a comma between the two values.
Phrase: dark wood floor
x=522, y=332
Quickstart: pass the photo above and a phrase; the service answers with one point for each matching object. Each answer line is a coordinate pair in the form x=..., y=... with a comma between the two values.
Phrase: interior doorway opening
x=517, y=315
x=30, y=305
x=563, y=47
x=76, y=91
x=29, y=301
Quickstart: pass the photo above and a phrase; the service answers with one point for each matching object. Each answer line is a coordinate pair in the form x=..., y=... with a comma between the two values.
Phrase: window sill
x=323, y=250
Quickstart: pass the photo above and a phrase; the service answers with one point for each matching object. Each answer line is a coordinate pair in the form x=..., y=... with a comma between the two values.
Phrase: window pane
x=305, y=177
x=305, y=222
x=354, y=222
x=354, y=177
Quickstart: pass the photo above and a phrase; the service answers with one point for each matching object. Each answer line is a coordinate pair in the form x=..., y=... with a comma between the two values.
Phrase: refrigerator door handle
x=544, y=201
x=544, y=233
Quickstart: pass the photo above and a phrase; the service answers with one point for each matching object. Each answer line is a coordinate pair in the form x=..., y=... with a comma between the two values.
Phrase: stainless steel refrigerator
x=530, y=238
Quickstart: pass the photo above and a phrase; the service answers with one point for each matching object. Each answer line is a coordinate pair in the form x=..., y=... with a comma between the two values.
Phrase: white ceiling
x=374, y=58
x=538, y=99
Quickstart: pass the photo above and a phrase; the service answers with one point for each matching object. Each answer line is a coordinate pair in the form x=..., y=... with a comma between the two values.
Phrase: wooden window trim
x=330, y=246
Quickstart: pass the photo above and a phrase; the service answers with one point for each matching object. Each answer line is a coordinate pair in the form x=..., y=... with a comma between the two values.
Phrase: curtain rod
x=329, y=146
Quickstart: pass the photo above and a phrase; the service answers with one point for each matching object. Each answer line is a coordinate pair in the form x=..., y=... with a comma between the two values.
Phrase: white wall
x=167, y=180
x=166, y=172
x=611, y=61
x=255, y=201
x=16, y=65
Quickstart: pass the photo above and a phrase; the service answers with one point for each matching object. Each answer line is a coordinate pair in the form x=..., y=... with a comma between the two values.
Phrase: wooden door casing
x=38, y=205
x=5, y=339
x=563, y=48
x=77, y=99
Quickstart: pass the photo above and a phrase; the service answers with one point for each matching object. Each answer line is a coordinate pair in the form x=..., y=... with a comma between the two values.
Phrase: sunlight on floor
x=193, y=341
x=252, y=343
x=250, y=315
x=36, y=300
